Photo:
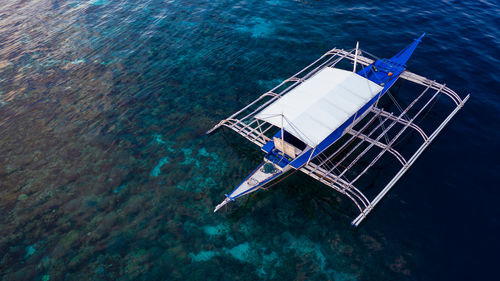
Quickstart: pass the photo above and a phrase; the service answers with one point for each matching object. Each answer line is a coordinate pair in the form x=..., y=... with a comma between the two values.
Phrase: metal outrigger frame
x=333, y=167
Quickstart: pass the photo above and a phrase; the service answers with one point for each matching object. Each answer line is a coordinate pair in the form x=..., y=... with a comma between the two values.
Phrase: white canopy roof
x=318, y=106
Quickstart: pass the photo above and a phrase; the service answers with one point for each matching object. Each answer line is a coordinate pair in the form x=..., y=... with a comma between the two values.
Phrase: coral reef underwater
x=105, y=171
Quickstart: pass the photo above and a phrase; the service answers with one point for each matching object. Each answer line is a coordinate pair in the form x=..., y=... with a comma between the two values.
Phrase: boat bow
x=227, y=200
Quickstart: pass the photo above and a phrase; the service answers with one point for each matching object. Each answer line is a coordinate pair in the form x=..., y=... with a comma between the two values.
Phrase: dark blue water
x=106, y=174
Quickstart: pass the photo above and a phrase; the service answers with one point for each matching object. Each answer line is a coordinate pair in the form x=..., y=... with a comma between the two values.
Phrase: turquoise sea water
x=106, y=174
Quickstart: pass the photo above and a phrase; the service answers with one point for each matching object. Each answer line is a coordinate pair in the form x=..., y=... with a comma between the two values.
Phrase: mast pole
x=356, y=56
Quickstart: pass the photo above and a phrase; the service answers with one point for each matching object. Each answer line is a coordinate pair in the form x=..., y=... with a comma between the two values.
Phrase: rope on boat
x=397, y=105
x=421, y=119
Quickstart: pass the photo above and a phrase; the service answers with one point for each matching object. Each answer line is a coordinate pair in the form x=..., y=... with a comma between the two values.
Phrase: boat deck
x=279, y=159
x=254, y=181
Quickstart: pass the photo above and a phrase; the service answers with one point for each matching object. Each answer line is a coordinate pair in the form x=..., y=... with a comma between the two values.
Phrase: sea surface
x=106, y=172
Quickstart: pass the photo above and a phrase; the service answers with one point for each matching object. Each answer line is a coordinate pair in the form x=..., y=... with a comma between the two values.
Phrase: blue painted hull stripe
x=257, y=186
x=229, y=196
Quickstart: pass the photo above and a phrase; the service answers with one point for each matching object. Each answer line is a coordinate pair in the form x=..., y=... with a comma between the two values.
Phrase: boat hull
x=255, y=181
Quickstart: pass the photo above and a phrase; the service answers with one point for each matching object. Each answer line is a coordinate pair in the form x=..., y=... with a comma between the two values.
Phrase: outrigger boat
x=297, y=122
